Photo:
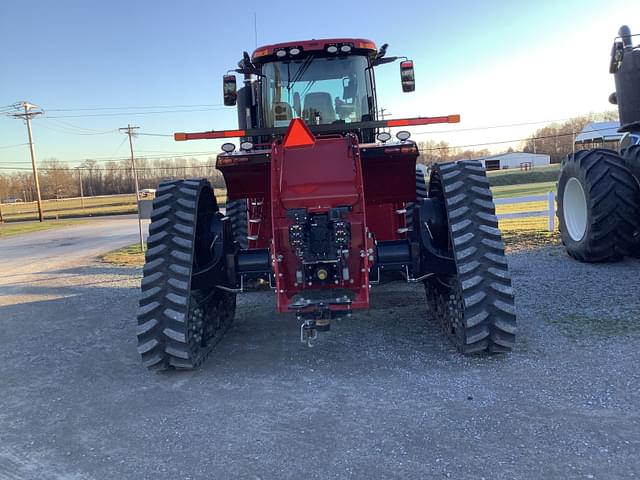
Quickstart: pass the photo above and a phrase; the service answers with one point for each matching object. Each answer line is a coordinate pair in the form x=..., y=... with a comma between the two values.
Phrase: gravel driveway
x=382, y=396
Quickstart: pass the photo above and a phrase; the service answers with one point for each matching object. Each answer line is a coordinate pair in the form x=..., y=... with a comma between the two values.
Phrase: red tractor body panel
x=387, y=177
x=318, y=178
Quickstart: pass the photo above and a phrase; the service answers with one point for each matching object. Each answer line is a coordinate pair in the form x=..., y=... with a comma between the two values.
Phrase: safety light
x=261, y=53
x=294, y=51
x=345, y=48
x=332, y=49
x=383, y=137
x=281, y=53
x=246, y=146
x=367, y=45
x=403, y=135
x=228, y=147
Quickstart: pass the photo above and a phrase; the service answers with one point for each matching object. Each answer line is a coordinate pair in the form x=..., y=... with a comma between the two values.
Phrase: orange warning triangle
x=298, y=135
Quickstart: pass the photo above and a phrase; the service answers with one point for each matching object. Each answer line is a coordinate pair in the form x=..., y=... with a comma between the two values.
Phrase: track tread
x=166, y=302
x=237, y=212
x=479, y=304
x=421, y=192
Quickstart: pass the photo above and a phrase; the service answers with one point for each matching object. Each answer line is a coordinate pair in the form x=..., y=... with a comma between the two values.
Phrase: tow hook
x=308, y=332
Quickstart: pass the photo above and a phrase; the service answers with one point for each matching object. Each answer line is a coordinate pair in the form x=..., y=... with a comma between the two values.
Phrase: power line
x=71, y=132
x=489, y=127
x=72, y=127
x=136, y=113
x=13, y=146
x=133, y=107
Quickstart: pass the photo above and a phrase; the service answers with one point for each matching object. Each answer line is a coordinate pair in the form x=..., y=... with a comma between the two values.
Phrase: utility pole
x=382, y=115
x=129, y=131
x=80, y=182
x=26, y=116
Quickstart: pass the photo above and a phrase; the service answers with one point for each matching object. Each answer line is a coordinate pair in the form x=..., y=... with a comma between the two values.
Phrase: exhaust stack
x=626, y=74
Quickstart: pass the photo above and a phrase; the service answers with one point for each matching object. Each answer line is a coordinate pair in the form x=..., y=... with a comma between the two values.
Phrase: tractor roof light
x=294, y=51
x=281, y=53
x=228, y=147
x=345, y=48
x=332, y=49
x=246, y=146
x=383, y=137
x=403, y=135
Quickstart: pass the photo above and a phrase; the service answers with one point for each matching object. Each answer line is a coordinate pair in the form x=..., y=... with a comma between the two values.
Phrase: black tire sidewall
x=571, y=169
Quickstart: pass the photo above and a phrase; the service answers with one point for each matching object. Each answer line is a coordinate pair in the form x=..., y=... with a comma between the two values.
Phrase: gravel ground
x=381, y=396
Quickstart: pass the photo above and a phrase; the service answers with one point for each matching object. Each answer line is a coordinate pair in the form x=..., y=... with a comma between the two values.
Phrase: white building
x=519, y=160
x=599, y=135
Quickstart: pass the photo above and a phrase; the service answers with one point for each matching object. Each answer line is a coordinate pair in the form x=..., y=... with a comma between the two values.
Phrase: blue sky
x=494, y=62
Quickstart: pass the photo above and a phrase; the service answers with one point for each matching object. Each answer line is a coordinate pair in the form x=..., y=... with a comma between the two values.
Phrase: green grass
x=524, y=190
x=18, y=228
x=129, y=256
x=72, y=207
x=515, y=177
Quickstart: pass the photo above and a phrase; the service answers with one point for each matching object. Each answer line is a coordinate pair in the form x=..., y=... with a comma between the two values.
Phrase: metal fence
x=549, y=212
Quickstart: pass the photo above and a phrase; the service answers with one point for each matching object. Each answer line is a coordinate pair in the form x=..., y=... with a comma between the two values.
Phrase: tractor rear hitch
x=316, y=316
x=308, y=332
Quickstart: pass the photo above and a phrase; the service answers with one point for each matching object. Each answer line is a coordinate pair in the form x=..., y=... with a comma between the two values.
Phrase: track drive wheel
x=476, y=305
x=597, y=206
x=236, y=210
x=180, y=321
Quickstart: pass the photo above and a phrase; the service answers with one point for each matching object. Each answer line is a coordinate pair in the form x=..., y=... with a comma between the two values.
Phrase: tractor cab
x=322, y=82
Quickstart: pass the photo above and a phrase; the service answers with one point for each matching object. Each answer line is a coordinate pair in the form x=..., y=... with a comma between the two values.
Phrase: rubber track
x=236, y=210
x=421, y=192
x=481, y=300
x=163, y=337
x=612, y=196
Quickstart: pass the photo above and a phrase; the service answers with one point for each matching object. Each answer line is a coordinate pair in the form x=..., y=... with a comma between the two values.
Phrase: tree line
x=59, y=180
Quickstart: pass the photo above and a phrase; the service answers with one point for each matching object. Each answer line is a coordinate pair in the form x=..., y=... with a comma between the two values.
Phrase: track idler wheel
x=475, y=306
x=180, y=319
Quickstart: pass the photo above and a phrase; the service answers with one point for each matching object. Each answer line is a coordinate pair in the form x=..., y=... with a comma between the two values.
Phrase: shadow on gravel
x=99, y=269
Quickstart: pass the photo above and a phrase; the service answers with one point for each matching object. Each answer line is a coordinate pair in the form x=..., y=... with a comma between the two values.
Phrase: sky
x=96, y=66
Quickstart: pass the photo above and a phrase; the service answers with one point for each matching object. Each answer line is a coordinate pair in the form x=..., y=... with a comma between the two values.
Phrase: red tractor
x=322, y=205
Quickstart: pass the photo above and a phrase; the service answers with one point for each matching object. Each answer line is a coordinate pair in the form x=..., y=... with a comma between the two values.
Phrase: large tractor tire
x=180, y=320
x=597, y=206
x=631, y=158
x=475, y=307
x=236, y=210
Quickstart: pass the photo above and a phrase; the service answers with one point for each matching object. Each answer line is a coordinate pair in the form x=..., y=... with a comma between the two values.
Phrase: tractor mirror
x=229, y=90
x=407, y=76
